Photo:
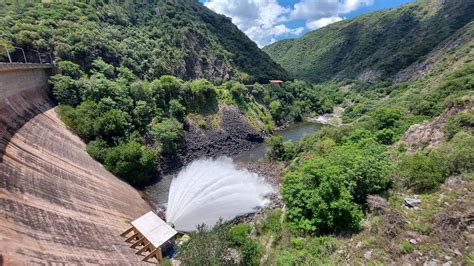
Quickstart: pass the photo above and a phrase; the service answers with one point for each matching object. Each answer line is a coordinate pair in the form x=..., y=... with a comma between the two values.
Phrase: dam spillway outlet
x=208, y=190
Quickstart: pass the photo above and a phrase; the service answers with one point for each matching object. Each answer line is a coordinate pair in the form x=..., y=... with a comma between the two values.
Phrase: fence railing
x=29, y=56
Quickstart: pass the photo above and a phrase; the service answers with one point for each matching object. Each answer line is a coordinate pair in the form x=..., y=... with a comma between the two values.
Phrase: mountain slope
x=375, y=45
x=152, y=38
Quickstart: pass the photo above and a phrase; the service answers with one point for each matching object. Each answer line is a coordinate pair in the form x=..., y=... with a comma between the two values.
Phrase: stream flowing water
x=208, y=189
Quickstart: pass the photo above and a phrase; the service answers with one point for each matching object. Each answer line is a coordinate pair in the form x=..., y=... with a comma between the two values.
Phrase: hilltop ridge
x=373, y=46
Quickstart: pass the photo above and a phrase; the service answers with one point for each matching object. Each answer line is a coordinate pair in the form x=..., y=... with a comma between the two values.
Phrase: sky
x=267, y=21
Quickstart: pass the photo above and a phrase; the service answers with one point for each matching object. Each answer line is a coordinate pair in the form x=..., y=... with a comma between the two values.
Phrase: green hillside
x=375, y=45
x=152, y=38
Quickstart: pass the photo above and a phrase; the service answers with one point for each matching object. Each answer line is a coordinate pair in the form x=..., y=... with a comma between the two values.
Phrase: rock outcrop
x=58, y=205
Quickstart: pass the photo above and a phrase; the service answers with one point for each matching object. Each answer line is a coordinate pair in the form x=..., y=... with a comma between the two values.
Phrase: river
x=157, y=194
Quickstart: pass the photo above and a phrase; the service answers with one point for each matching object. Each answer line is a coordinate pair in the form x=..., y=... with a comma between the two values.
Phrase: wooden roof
x=155, y=230
x=276, y=81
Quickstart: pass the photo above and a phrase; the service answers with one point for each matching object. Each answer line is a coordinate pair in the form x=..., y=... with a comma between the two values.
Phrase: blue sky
x=266, y=21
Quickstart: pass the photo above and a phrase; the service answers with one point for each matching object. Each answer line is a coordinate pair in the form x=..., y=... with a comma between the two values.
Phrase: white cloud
x=322, y=22
x=261, y=20
x=264, y=20
x=316, y=9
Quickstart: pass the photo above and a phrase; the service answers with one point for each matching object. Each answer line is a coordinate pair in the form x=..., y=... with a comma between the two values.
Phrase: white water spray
x=210, y=189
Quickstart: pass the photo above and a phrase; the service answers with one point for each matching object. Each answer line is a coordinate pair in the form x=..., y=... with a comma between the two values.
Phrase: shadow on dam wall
x=57, y=205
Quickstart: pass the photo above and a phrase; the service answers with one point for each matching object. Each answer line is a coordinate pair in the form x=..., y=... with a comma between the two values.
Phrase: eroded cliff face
x=57, y=205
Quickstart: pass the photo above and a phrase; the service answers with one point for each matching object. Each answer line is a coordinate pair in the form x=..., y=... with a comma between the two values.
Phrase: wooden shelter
x=150, y=234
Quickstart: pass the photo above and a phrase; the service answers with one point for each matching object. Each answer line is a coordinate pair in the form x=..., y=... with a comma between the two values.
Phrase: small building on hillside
x=276, y=81
x=151, y=236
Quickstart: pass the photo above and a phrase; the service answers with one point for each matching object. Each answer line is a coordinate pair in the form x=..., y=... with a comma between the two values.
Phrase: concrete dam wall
x=57, y=205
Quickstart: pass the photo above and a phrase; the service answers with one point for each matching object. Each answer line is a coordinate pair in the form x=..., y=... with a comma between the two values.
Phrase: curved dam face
x=57, y=205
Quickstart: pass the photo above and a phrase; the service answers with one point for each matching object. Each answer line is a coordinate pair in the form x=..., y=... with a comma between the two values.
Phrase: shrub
x=275, y=143
x=132, y=162
x=202, y=124
x=177, y=110
x=65, y=90
x=168, y=132
x=112, y=126
x=239, y=236
x=81, y=119
x=385, y=117
x=272, y=222
x=460, y=153
x=207, y=247
x=458, y=122
x=405, y=247
x=324, y=194
x=385, y=136
x=70, y=69
x=423, y=172
x=97, y=149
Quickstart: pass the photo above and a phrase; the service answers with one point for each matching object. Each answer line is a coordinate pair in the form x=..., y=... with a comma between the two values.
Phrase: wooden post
x=155, y=253
x=137, y=243
x=132, y=237
x=124, y=234
x=145, y=248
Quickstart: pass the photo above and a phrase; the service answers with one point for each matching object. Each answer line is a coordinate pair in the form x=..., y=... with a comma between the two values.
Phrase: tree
x=385, y=117
x=112, y=126
x=131, y=162
x=177, y=110
x=168, y=132
x=5, y=47
x=102, y=67
x=423, y=172
x=276, y=110
x=65, y=90
x=275, y=143
x=70, y=69
x=142, y=114
x=98, y=87
x=324, y=194
x=207, y=247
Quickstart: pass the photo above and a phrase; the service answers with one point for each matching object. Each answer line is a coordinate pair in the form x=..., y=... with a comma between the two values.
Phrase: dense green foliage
x=333, y=171
x=426, y=171
x=377, y=45
x=150, y=38
x=324, y=194
x=211, y=246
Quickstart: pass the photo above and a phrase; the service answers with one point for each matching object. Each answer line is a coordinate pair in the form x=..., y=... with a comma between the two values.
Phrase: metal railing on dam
x=19, y=66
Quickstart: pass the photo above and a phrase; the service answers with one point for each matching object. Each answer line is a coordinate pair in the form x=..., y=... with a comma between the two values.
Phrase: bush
x=177, y=110
x=97, y=149
x=458, y=122
x=132, y=162
x=405, y=247
x=272, y=222
x=423, y=172
x=202, y=124
x=275, y=143
x=207, y=247
x=460, y=153
x=385, y=117
x=70, y=69
x=81, y=119
x=112, y=126
x=65, y=90
x=168, y=132
x=239, y=236
x=385, y=136
x=324, y=194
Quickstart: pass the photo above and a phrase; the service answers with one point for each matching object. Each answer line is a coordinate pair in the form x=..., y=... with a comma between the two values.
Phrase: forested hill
x=151, y=38
x=373, y=46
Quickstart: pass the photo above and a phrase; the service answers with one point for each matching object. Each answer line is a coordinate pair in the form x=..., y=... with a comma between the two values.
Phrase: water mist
x=210, y=189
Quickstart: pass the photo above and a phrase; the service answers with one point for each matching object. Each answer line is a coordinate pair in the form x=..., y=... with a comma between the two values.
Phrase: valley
x=352, y=144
